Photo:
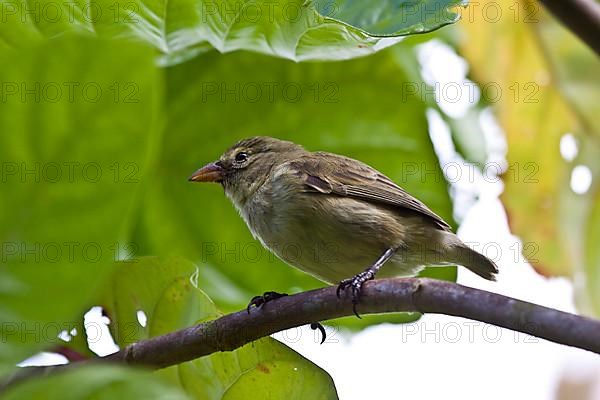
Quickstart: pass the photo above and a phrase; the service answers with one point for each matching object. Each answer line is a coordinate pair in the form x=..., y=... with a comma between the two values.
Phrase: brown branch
x=380, y=296
x=580, y=16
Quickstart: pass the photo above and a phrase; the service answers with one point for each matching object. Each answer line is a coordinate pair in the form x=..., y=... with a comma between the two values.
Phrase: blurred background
x=490, y=121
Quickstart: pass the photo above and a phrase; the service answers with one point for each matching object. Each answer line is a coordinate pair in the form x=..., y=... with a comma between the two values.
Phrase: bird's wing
x=333, y=174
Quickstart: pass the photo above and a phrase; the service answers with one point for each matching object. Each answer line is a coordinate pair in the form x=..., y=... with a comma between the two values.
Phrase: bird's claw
x=317, y=325
x=259, y=301
x=356, y=283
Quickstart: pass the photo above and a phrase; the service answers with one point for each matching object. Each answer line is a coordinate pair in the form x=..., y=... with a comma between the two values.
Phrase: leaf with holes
x=166, y=291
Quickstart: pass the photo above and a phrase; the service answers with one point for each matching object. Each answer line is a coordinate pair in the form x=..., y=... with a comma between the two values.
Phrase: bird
x=334, y=217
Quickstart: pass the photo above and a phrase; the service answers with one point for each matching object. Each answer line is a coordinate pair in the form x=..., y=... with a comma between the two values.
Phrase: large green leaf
x=219, y=99
x=96, y=383
x=166, y=291
x=63, y=202
x=265, y=369
x=292, y=29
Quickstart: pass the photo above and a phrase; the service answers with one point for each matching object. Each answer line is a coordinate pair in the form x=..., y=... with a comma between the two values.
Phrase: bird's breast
x=329, y=237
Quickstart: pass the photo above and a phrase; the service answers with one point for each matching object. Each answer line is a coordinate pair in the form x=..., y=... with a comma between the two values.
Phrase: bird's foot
x=356, y=283
x=316, y=325
x=259, y=301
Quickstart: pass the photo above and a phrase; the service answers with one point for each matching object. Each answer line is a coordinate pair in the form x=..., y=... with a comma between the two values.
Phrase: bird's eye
x=241, y=157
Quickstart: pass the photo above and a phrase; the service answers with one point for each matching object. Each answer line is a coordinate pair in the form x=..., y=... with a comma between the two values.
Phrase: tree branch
x=580, y=16
x=380, y=296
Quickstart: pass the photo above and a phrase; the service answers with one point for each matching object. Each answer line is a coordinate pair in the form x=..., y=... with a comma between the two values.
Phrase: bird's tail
x=478, y=263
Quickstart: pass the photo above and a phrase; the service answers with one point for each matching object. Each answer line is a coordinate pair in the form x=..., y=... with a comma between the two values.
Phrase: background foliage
x=558, y=226
x=107, y=108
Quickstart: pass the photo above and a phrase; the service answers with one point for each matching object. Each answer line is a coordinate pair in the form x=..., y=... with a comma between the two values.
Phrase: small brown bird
x=334, y=217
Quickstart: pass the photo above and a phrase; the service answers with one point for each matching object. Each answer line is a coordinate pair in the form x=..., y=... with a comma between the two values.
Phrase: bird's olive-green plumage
x=333, y=216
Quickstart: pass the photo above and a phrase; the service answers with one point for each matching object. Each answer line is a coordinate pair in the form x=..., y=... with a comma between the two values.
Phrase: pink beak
x=212, y=172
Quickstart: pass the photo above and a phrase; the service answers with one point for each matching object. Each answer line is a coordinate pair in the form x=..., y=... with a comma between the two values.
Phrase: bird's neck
x=238, y=197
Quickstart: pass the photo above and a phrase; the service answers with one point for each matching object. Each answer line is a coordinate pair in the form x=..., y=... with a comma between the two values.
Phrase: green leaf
x=576, y=68
x=165, y=289
x=297, y=30
x=468, y=137
x=392, y=17
x=97, y=383
x=265, y=369
x=64, y=139
x=592, y=257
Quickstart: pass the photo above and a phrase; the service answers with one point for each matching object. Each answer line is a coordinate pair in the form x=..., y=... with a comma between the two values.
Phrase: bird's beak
x=212, y=172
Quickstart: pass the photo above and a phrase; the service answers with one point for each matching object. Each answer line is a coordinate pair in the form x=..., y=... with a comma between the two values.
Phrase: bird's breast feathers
x=328, y=236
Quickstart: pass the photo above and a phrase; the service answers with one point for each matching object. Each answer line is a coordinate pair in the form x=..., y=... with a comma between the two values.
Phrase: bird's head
x=245, y=166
